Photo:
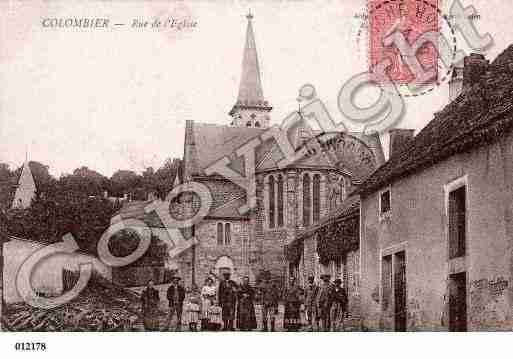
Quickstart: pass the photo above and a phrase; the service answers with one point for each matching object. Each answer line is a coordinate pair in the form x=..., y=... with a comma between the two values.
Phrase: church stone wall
x=208, y=251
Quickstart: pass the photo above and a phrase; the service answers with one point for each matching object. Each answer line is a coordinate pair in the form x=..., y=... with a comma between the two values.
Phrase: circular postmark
x=416, y=21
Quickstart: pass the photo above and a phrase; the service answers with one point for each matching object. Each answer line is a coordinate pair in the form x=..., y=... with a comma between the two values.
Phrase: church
x=289, y=200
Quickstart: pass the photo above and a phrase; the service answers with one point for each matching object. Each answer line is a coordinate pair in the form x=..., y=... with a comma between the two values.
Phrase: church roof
x=250, y=87
x=229, y=210
x=479, y=115
x=212, y=142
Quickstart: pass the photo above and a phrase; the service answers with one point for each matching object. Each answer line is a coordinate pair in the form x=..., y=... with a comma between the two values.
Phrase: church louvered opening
x=316, y=198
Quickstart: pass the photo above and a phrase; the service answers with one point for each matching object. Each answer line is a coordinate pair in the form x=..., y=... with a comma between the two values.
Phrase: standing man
x=311, y=292
x=293, y=299
x=270, y=302
x=339, y=300
x=246, y=317
x=324, y=302
x=227, y=298
x=175, y=297
x=150, y=302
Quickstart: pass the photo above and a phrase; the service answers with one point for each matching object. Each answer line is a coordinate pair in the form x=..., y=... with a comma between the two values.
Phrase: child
x=193, y=308
x=214, y=318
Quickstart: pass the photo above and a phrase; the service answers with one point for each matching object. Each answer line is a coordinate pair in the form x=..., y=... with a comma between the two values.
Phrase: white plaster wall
x=47, y=276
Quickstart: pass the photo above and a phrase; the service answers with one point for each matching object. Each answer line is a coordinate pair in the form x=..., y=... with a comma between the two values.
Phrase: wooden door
x=458, y=302
x=400, y=291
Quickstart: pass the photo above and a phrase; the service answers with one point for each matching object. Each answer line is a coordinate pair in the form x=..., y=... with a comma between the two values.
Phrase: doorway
x=224, y=264
x=400, y=291
x=458, y=302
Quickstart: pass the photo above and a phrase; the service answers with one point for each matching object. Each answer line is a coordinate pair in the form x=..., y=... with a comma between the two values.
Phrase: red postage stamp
x=411, y=19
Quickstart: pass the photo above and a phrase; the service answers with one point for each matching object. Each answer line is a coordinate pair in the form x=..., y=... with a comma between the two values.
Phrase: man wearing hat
x=311, y=292
x=175, y=297
x=339, y=303
x=324, y=302
x=270, y=295
x=227, y=300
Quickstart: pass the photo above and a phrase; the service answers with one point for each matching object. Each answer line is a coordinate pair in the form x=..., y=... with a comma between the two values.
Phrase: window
x=248, y=124
x=275, y=199
x=271, y=202
x=224, y=234
x=257, y=124
x=306, y=200
x=457, y=218
x=384, y=202
x=280, y=201
x=227, y=234
x=220, y=234
x=316, y=198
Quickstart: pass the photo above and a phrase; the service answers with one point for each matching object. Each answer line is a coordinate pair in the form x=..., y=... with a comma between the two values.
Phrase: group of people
x=325, y=304
x=230, y=306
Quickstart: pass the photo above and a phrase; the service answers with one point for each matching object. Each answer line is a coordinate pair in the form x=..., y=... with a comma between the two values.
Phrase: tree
x=125, y=182
x=7, y=186
x=165, y=177
x=85, y=181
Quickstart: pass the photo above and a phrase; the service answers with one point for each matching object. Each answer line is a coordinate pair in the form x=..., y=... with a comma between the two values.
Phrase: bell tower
x=250, y=109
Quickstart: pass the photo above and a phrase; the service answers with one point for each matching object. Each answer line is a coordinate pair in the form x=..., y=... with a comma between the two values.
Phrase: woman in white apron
x=208, y=297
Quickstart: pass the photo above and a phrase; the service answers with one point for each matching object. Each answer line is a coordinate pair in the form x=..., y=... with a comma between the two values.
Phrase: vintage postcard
x=243, y=166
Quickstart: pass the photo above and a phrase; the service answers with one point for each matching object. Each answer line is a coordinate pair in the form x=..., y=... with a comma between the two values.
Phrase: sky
x=118, y=98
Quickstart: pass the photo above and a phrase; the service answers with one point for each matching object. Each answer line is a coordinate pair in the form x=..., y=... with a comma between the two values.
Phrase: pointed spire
x=250, y=89
x=26, y=189
x=251, y=95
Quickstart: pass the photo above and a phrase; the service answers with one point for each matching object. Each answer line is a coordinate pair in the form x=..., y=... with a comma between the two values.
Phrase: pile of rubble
x=101, y=306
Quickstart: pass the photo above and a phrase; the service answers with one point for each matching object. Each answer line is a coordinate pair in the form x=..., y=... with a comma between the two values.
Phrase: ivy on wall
x=337, y=238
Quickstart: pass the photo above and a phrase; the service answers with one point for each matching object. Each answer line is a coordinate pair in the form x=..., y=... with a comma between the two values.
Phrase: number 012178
x=30, y=346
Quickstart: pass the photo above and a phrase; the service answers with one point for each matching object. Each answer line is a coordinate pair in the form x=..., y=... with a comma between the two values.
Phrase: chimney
x=399, y=139
x=474, y=67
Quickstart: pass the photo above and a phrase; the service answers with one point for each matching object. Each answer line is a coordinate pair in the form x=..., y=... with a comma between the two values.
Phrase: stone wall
x=208, y=251
x=418, y=225
x=264, y=246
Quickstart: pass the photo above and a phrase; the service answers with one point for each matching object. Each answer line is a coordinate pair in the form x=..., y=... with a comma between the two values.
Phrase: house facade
x=436, y=219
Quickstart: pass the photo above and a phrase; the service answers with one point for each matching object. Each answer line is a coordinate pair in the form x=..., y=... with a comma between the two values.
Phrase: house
x=436, y=220
x=48, y=276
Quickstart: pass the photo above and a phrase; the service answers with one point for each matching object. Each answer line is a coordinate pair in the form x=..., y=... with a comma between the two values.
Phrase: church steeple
x=251, y=109
x=26, y=189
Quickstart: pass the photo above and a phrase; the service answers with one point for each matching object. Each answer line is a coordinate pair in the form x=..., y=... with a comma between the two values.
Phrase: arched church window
x=227, y=234
x=271, y=202
x=220, y=234
x=280, y=201
x=257, y=124
x=316, y=205
x=306, y=200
